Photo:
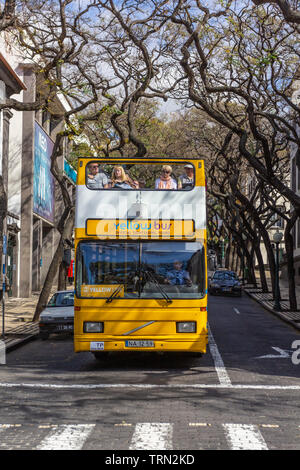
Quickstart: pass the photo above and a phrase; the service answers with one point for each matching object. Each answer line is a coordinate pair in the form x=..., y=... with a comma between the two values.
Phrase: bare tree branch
x=289, y=13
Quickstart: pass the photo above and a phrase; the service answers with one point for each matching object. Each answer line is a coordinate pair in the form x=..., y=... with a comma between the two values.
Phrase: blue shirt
x=178, y=277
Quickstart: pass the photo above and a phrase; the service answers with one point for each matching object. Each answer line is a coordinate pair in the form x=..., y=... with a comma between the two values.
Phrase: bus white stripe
x=152, y=436
x=66, y=437
x=244, y=437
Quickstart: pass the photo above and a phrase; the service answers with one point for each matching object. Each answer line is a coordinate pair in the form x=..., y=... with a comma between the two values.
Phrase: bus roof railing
x=143, y=158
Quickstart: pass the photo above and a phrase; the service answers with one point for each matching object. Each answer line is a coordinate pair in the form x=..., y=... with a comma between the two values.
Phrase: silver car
x=58, y=316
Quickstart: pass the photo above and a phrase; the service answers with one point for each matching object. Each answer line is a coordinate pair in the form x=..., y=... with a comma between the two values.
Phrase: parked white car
x=58, y=316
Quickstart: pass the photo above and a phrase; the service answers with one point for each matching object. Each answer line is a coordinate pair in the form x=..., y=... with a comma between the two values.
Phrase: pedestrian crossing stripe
x=244, y=437
x=66, y=437
x=152, y=436
x=144, y=436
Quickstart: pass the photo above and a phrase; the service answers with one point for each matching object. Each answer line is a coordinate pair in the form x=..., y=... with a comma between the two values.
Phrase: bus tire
x=195, y=354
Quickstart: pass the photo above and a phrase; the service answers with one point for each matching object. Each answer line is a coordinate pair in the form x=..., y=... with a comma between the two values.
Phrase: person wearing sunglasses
x=165, y=181
x=96, y=180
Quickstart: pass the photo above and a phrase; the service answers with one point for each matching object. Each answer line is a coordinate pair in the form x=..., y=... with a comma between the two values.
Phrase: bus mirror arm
x=113, y=295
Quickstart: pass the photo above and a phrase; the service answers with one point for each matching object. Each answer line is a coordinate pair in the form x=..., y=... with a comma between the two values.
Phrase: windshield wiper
x=114, y=294
x=162, y=291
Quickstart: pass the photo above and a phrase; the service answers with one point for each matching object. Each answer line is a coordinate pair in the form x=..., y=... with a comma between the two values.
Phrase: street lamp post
x=222, y=252
x=277, y=239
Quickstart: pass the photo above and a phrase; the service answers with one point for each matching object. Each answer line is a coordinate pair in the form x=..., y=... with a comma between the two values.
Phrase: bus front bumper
x=137, y=344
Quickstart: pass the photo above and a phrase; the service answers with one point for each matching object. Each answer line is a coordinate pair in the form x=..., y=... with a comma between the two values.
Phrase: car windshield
x=224, y=276
x=141, y=269
x=62, y=299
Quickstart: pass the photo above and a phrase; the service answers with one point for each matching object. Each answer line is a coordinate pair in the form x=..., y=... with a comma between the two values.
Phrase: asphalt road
x=243, y=394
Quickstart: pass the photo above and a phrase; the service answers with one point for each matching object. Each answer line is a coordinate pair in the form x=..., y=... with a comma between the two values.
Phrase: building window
x=276, y=220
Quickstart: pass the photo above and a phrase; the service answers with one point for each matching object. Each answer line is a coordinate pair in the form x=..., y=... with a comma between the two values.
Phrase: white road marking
x=152, y=436
x=218, y=361
x=47, y=386
x=66, y=437
x=244, y=437
x=282, y=354
x=146, y=436
x=237, y=311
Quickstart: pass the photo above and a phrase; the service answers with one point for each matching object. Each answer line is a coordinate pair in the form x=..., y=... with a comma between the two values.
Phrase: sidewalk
x=18, y=325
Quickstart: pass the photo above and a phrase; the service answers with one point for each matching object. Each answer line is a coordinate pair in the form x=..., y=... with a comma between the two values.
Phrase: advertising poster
x=43, y=182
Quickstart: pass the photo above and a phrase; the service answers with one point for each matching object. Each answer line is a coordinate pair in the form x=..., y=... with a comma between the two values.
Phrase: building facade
x=33, y=198
x=295, y=181
x=10, y=84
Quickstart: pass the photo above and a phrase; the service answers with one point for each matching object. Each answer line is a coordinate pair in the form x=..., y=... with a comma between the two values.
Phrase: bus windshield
x=140, y=269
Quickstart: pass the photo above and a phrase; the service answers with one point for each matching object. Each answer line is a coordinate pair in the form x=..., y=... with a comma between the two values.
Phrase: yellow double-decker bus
x=140, y=241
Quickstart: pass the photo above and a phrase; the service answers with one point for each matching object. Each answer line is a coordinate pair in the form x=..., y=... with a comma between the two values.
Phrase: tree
x=245, y=56
x=83, y=54
x=290, y=14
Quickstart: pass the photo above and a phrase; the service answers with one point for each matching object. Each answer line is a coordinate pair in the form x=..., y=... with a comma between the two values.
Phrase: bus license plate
x=139, y=344
x=96, y=345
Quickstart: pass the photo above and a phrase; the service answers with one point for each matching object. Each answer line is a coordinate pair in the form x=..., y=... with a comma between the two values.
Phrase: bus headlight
x=93, y=327
x=186, y=327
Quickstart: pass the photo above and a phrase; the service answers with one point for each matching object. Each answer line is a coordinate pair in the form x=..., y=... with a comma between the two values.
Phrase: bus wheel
x=195, y=354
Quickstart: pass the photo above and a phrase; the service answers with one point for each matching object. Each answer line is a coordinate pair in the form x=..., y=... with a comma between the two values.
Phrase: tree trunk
x=228, y=253
x=262, y=273
x=250, y=265
x=62, y=285
x=289, y=246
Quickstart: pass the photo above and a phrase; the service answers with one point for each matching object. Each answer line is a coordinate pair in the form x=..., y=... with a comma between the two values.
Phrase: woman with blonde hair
x=119, y=179
x=165, y=181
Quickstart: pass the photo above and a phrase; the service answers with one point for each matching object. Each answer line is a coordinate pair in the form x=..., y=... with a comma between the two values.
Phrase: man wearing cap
x=187, y=180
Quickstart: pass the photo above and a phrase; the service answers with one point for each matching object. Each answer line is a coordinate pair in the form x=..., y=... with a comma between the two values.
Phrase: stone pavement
x=18, y=325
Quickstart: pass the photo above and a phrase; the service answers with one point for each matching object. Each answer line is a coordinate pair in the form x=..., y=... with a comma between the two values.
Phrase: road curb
x=276, y=313
x=21, y=335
